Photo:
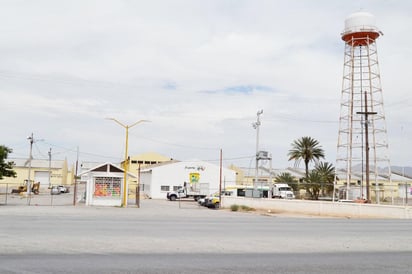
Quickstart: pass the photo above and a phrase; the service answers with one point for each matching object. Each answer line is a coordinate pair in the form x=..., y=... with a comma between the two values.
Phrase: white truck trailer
x=283, y=191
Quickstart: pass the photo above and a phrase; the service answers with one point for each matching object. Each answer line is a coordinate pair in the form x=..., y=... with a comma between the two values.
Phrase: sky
x=198, y=71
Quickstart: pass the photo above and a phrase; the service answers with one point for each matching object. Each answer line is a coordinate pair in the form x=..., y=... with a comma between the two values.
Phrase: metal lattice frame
x=361, y=75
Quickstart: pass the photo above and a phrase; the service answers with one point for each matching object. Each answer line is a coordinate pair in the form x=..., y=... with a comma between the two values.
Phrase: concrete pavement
x=175, y=237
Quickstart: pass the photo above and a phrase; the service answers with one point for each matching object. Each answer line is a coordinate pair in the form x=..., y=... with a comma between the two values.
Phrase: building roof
x=107, y=167
x=199, y=164
x=151, y=156
x=159, y=164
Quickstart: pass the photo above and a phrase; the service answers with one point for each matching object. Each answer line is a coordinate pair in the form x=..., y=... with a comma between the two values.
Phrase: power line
x=74, y=150
x=174, y=144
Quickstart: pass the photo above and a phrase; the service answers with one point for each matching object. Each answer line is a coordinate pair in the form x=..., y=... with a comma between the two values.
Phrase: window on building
x=241, y=192
x=164, y=188
x=260, y=180
x=134, y=162
x=175, y=188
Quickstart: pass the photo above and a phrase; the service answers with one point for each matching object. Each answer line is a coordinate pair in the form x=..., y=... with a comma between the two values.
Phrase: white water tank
x=362, y=27
x=359, y=22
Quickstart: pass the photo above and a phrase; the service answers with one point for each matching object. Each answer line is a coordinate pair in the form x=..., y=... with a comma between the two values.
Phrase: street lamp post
x=31, y=141
x=256, y=126
x=126, y=161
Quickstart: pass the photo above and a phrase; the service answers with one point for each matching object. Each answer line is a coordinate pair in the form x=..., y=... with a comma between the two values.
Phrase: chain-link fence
x=14, y=195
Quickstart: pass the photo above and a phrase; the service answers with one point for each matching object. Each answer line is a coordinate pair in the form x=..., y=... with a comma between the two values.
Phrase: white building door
x=42, y=177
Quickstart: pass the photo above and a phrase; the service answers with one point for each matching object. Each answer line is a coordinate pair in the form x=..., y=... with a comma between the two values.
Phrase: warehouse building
x=157, y=180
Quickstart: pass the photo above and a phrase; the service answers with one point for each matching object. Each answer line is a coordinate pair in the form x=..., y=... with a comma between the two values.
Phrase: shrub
x=234, y=207
x=247, y=208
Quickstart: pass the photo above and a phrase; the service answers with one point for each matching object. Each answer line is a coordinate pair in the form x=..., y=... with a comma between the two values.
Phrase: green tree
x=326, y=172
x=286, y=177
x=319, y=180
x=306, y=149
x=312, y=184
x=6, y=168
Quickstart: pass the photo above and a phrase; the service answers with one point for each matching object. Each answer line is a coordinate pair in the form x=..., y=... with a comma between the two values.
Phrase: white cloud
x=199, y=70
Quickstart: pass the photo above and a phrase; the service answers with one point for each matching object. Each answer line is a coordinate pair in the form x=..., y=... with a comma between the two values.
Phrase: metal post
x=256, y=125
x=50, y=167
x=220, y=180
x=125, y=166
x=138, y=188
x=75, y=179
x=406, y=193
x=270, y=178
x=31, y=140
x=366, y=113
x=7, y=193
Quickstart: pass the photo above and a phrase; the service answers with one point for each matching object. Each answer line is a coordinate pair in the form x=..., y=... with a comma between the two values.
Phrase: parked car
x=63, y=189
x=55, y=190
x=213, y=202
x=202, y=201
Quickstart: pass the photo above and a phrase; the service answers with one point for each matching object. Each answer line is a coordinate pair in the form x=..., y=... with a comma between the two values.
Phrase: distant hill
x=399, y=170
x=407, y=171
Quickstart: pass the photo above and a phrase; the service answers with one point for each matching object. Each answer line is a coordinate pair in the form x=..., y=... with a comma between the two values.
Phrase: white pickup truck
x=195, y=191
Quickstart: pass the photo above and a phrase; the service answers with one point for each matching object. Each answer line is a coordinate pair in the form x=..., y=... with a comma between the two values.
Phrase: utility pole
x=138, y=187
x=256, y=126
x=220, y=179
x=75, y=178
x=49, y=167
x=31, y=141
x=367, y=113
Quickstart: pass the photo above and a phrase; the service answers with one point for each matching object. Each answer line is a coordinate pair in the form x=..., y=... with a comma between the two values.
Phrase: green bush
x=246, y=208
x=241, y=208
x=234, y=207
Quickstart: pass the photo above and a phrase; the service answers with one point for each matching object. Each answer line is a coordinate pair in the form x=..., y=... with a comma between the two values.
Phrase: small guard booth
x=104, y=185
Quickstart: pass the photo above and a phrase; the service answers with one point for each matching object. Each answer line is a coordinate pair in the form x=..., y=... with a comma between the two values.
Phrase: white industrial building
x=157, y=180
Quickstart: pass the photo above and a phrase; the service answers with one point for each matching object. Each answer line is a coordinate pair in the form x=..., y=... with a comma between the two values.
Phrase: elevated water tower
x=362, y=149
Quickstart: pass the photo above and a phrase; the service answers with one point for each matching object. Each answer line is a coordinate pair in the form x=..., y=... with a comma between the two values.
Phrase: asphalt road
x=173, y=237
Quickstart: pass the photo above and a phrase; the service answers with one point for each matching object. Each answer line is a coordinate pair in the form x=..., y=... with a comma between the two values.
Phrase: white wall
x=175, y=174
x=338, y=209
x=146, y=180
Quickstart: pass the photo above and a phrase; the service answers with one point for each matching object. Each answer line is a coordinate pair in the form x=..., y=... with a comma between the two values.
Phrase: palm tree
x=286, y=177
x=312, y=184
x=326, y=172
x=306, y=149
